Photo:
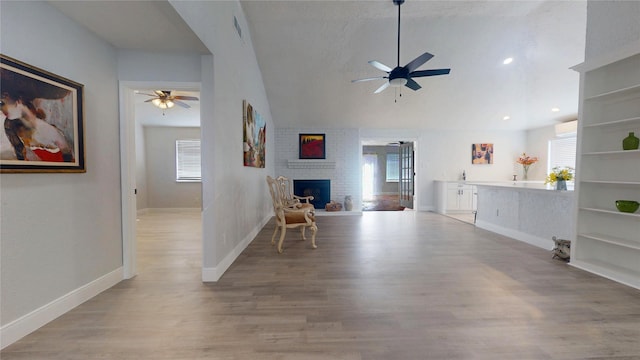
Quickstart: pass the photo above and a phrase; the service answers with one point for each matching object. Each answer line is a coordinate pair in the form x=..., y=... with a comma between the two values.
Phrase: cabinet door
x=453, y=200
x=466, y=198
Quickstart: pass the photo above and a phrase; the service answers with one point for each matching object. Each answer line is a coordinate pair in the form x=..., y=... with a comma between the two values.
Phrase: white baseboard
x=427, y=208
x=546, y=244
x=34, y=320
x=173, y=210
x=215, y=273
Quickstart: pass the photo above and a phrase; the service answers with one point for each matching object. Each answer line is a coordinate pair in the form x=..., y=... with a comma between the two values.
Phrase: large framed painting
x=481, y=154
x=312, y=146
x=42, y=114
x=254, y=136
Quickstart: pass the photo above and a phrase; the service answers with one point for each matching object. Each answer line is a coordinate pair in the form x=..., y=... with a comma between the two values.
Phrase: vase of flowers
x=560, y=176
x=526, y=161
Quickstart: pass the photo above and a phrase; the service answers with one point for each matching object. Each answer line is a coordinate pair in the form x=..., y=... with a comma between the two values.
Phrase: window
x=188, y=161
x=562, y=152
x=393, y=168
x=369, y=175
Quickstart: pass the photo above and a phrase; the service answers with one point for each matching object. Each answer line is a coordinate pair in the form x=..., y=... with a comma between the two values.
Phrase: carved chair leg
x=273, y=237
x=302, y=228
x=314, y=228
x=283, y=231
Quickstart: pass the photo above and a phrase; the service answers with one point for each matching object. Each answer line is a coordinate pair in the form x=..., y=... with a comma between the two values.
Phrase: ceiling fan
x=403, y=75
x=164, y=100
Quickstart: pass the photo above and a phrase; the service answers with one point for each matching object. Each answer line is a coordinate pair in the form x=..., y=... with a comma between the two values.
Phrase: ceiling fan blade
x=380, y=66
x=417, y=62
x=434, y=72
x=141, y=93
x=150, y=100
x=162, y=93
x=369, y=79
x=182, y=104
x=411, y=84
x=381, y=88
x=181, y=97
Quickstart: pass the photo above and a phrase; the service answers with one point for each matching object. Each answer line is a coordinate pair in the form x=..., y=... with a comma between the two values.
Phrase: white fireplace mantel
x=311, y=164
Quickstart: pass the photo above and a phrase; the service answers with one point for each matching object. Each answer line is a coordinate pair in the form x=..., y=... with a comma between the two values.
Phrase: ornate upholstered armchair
x=290, y=198
x=290, y=216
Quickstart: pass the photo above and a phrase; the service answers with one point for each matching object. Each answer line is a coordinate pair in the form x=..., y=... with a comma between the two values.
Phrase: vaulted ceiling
x=309, y=51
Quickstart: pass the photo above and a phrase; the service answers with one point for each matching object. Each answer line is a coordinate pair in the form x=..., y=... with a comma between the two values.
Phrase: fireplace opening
x=319, y=189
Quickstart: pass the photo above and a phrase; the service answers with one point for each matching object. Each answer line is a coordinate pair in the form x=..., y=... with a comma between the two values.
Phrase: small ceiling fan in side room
x=164, y=100
x=403, y=75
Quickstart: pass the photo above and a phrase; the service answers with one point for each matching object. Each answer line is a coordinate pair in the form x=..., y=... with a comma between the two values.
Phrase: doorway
x=148, y=158
x=388, y=175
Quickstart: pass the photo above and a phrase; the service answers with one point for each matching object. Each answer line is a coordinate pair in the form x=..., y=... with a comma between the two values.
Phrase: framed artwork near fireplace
x=312, y=146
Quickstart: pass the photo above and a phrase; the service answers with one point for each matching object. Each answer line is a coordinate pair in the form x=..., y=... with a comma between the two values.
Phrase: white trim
x=215, y=273
x=430, y=208
x=546, y=244
x=128, y=165
x=34, y=320
x=173, y=210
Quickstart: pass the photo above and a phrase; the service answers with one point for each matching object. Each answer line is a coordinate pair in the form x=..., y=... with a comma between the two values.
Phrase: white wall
x=141, y=168
x=236, y=202
x=342, y=147
x=61, y=231
x=444, y=155
x=611, y=25
x=162, y=189
x=538, y=145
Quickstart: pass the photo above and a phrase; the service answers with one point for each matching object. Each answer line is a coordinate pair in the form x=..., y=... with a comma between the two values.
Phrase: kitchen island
x=526, y=210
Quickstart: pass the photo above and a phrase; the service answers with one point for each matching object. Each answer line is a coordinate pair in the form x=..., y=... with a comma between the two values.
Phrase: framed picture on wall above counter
x=312, y=146
x=481, y=154
x=42, y=114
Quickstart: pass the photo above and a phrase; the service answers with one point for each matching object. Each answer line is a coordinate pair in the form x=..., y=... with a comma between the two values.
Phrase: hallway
x=384, y=285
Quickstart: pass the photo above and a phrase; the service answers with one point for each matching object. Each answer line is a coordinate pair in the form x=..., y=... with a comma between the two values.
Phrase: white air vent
x=237, y=26
x=567, y=128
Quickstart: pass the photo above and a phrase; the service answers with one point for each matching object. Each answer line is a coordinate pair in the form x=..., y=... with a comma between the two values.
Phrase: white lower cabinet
x=460, y=198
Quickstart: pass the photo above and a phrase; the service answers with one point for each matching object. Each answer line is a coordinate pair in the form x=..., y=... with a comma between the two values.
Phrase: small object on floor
x=562, y=249
x=333, y=206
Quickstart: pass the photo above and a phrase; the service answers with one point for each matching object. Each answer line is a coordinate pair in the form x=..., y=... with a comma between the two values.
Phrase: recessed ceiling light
x=508, y=61
x=555, y=109
x=506, y=117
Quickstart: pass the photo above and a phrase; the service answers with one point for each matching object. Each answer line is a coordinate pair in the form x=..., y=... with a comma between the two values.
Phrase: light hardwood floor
x=386, y=285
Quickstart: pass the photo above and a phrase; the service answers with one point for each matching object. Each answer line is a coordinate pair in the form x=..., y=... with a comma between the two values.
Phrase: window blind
x=562, y=152
x=393, y=168
x=188, y=160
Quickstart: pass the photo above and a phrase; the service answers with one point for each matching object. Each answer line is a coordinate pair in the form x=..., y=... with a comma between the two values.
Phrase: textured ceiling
x=309, y=51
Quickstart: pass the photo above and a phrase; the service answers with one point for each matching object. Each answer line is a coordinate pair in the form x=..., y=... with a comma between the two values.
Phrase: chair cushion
x=296, y=217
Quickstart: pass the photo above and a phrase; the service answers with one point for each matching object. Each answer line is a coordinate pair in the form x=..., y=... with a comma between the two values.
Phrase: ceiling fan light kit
x=164, y=100
x=403, y=75
x=163, y=103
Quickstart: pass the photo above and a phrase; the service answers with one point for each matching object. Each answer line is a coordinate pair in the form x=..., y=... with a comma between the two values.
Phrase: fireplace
x=319, y=189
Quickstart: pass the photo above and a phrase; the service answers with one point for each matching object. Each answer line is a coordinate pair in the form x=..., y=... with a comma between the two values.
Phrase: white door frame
x=128, y=163
x=385, y=139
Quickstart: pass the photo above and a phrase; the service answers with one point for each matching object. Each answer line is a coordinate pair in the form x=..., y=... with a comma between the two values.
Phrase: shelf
x=605, y=182
x=311, y=164
x=609, y=271
x=619, y=92
x=608, y=153
x=612, y=240
x=612, y=212
x=614, y=122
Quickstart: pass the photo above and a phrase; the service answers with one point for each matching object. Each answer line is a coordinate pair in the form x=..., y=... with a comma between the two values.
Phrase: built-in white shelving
x=608, y=241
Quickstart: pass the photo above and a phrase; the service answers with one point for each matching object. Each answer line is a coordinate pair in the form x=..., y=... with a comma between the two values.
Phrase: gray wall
x=162, y=189
x=61, y=231
x=235, y=202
